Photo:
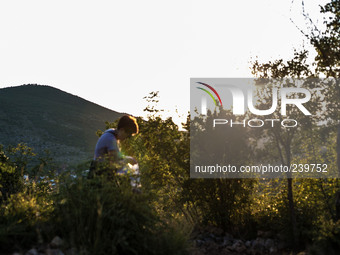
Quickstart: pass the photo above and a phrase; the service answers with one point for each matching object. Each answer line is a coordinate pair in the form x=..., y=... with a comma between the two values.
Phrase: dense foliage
x=100, y=216
x=107, y=217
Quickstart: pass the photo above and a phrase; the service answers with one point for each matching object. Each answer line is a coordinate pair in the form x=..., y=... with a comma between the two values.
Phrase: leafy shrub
x=22, y=217
x=327, y=238
x=105, y=217
x=10, y=177
x=25, y=198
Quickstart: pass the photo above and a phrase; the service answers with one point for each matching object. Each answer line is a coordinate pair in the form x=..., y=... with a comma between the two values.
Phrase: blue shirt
x=107, y=142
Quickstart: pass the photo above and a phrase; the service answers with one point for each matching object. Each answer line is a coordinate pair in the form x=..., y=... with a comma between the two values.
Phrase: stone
x=229, y=249
x=227, y=242
x=197, y=252
x=237, y=242
x=32, y=252
x=57, y=242
x=208, y=240
x=58, y=252
x=273, y=250
x=248, y=243
x=211, y=245
x=239, y=246
x=240, y=249
x=259, y=244
x=72, y=251
x=53, y=252
x=199, y=243
x=224, y=251
x=269, y=243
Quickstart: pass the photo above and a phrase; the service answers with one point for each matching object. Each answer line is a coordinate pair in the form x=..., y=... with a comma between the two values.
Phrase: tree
x=327, y=46
x=225, y=200
x=10, y=178
x=327, y=62
x=281, y=138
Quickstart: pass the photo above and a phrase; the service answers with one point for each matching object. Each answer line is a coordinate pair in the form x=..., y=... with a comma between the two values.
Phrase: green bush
x=327, y=238
x=10, y=177
x=25, y=203
x=98, y=216
x=22, y=217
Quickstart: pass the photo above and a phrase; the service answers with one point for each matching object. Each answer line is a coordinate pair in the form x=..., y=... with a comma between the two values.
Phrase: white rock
x=32, y=252
x=57, y=242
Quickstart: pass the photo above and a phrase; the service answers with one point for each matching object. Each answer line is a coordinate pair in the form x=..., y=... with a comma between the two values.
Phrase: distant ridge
x=44, y=117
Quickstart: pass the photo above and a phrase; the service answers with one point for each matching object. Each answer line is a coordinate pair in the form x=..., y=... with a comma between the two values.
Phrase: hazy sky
x=114, y=53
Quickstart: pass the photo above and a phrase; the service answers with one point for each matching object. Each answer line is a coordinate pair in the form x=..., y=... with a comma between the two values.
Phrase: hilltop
x=44, y=117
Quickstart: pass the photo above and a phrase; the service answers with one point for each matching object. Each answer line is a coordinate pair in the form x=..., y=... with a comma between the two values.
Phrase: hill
x=44, y=117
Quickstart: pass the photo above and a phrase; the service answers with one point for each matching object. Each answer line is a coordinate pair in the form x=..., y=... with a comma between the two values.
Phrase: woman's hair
x=129, y=124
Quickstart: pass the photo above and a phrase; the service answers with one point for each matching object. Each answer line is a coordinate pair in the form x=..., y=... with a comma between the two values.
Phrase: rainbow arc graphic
x=209, y=93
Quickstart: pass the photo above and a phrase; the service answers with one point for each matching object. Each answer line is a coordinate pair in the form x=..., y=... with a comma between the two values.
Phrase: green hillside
x=48, y=118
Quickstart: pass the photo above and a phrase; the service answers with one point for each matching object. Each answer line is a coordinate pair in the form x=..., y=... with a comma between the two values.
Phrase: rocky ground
x=53, y=248
x=215, y=241
x=208, y=241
